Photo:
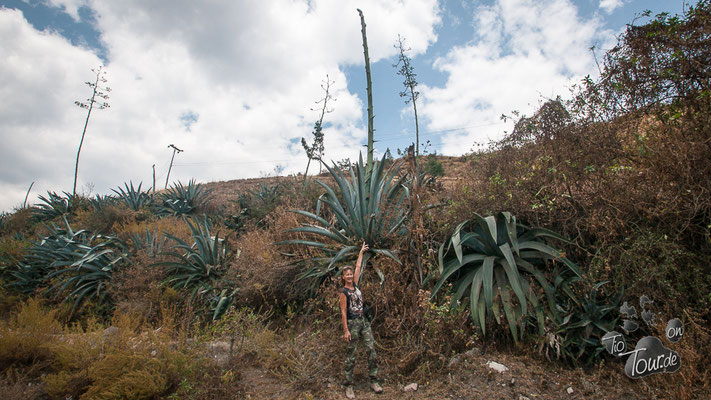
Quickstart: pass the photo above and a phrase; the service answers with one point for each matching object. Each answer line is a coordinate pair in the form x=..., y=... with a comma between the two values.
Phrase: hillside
x=591, y=220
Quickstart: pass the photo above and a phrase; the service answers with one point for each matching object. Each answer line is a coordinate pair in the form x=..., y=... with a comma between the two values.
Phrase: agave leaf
x=506, y=301
x=463, y=285
x=509, y=264
x=388, y=254
x=456, y=240
x=488, y=277
x=340, y=255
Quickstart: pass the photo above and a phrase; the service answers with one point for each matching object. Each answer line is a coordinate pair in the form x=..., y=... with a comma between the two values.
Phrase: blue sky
x=233, y=83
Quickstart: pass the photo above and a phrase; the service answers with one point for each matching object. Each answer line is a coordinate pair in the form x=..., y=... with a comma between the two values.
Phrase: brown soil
x=467, y=377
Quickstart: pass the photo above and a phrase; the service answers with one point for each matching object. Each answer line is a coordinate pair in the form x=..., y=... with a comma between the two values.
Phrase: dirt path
x=469, y=377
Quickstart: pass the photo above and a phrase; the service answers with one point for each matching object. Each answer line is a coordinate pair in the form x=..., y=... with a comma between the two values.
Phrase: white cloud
x=610, y=5
x=70, y=7
x=249, y=70
x=523, y=50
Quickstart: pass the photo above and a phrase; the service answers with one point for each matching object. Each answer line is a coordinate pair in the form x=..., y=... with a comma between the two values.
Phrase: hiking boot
x=349, y=392
x=376, y=387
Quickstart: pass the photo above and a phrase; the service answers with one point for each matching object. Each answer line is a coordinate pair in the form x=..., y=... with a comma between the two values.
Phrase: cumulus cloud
x=71, y=7
x=230, y=83
x=524, y=50
x=610, y=5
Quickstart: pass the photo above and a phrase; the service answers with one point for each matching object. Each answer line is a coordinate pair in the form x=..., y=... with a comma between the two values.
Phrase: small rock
x=154, y=353
x=472, y=352
x=522, y=397
x=111, y=331
x=513, y=381
x=453, y=361
x=569, y=390
x=500, y=368
x=410, y=388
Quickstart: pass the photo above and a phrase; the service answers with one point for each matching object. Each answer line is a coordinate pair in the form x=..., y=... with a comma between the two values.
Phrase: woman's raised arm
x=356, y=273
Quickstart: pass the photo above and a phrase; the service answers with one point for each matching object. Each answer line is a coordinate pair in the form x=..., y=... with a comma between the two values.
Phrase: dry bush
x=105, y=220
x=136, y=288
x=302, y=352
x=14, y=385
x=25, y=335
x=20, y=221
x=266, y=276
x=129, y=360
x=171, y=225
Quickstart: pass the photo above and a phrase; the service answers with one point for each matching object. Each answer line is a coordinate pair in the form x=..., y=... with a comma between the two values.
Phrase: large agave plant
x=371, y=207
x=78, y=261
x=132, y=197
x=182, y=199
x=52, y=206
x=498, y=264
x=200, y=266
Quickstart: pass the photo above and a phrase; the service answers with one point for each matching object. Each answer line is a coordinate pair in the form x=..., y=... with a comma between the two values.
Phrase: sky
x=235, y=84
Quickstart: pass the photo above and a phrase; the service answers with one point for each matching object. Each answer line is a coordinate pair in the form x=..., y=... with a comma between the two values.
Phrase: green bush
x=433, y=167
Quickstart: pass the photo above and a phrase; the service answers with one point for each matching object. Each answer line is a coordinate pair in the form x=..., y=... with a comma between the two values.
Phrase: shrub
x=433, y=167
x=104, y=219
x=24, y=337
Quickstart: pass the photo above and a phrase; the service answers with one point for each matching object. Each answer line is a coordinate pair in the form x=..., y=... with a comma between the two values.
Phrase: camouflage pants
x=360, y=329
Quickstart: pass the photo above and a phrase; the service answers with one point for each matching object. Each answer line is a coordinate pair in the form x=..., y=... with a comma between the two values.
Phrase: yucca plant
x=132, y=197
x=100, y=202
x=182, y=199
x=370, y=208
x=499, y=263
x=151, y=242
x=79, y=261
x=200, y=266
x=52, y=206
x=266, y=193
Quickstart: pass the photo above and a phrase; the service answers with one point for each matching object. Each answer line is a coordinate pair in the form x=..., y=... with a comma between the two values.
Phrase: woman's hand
x=364, y=248
x=347, y=336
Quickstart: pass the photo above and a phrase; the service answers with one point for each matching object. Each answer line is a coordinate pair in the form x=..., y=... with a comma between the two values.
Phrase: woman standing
x=356, y=326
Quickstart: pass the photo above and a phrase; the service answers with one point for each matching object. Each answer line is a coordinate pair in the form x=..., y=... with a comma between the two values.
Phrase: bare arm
x=344, y=318
x=356, y=273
